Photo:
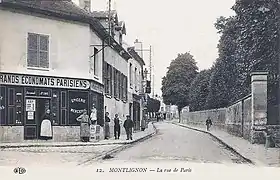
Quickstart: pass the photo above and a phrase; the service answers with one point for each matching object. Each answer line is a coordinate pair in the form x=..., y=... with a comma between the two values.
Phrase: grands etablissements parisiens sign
x=43, y=81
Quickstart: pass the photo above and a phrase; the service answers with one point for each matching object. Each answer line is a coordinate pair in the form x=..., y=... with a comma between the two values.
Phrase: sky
x=171, y=27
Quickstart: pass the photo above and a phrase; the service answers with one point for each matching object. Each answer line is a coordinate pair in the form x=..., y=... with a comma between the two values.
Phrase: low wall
x=235, y=119
x=218, y=117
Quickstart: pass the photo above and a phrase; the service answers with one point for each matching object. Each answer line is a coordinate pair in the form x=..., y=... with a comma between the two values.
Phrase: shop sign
x=96, y=87
x=43, y=81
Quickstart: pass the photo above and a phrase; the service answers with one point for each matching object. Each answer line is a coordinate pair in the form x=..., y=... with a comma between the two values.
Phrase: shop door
x=35, y=111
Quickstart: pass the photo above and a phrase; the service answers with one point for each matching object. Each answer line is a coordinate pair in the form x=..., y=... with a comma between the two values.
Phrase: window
x=106, y=78
x=115, y=84
x=125, y=88
x=120, y=38
x=76, y=107
x=120, y=86
x=38, y=51
x=135, y=79
x=130, y=74
x=111, y=80
x=95, y=63
x=3, y=105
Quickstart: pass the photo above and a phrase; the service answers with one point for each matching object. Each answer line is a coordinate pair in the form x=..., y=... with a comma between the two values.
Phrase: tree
x=259, y=44
x=199, y=91
x=176, y=84
x=224, y=77
x=153, y=105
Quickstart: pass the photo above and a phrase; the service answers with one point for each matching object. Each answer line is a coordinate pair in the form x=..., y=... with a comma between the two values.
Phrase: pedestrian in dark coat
x=85, y=126
x=208, y=123
x=117, y=127
x=107, y=126
x=128, y=125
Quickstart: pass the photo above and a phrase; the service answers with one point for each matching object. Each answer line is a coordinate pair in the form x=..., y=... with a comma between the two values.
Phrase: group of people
x=86, y=121
x=128, y=125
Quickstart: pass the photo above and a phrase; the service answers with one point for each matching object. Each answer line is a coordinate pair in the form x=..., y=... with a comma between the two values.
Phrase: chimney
x=138, y=48
x=85, y=4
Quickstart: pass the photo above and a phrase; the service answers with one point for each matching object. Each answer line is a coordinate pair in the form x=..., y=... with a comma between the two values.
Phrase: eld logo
x=19, y=170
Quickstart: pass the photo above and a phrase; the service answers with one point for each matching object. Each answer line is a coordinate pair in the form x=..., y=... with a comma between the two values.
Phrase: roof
x=66, y=10
x=135, y=55
x=104, y=14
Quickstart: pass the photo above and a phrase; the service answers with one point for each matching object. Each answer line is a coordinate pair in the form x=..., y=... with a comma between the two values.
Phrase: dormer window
x=120, y=38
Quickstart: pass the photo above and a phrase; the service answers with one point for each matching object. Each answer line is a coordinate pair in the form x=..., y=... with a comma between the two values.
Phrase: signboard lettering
x=30, y=80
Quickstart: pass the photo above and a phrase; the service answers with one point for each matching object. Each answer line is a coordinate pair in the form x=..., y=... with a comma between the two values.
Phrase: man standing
x=107, y=126
x=208, y=123
x=117, y=127
x=128, y=125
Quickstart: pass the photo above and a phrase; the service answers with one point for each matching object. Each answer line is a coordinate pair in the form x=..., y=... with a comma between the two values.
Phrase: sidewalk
x=258, y=154
x=137, y=136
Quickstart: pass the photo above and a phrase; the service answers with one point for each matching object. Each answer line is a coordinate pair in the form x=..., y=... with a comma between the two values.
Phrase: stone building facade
x=52, y=57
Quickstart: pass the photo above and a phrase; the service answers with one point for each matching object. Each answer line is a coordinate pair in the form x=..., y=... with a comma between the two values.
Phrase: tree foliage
x=153, y=105
x=249, y=42
x=199, y=91
x=176, y=83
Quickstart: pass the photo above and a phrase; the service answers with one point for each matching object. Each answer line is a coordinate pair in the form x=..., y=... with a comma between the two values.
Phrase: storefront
x=24, y=99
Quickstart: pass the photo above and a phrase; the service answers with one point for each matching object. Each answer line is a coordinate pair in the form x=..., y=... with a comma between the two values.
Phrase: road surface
x=172, y=143
x=178, y=144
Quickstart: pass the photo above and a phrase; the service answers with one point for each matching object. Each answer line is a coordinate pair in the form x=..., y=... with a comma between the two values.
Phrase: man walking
x=208, y=123
x=128, y=125
x=117, y=127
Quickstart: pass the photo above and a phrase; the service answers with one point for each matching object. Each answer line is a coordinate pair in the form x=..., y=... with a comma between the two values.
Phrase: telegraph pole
x=109, y=21
x=150, y=63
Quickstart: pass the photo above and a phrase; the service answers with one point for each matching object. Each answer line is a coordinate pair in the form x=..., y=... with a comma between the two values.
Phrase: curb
x=220, y=141
x=121, y=148
x=72, y=145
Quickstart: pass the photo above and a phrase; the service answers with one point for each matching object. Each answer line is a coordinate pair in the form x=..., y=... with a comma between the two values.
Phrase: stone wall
x=246, y=118
x=235, y=119
x=218, y=117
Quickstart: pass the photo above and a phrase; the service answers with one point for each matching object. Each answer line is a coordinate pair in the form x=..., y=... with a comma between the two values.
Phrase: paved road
x=51, y=156
x=179, y=144
x=172, y=143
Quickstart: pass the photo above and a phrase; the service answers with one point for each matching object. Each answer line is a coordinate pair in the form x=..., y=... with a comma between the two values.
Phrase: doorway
x=35, y=111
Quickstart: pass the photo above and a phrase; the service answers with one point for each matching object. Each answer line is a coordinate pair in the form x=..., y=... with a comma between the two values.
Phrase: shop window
x=3, y=108
x=78, y=101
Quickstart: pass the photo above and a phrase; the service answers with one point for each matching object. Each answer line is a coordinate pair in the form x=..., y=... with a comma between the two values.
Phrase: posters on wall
x=30, y=105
